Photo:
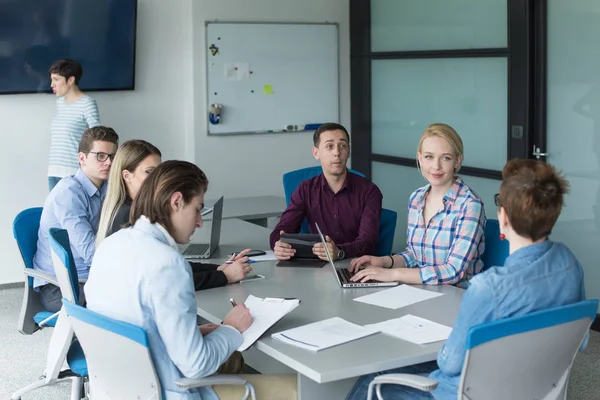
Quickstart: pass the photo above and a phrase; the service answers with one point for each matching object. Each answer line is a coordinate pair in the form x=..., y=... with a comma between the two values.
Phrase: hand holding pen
x=239, y=317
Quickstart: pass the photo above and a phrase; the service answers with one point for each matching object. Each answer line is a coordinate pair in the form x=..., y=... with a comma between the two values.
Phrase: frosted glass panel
x=470, y=94
x=574, y=126
x=397, y=182
x=400, y=25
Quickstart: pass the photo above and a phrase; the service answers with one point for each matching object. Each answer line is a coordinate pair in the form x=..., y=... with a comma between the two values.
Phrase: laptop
x=343, y=275
x=205, y=250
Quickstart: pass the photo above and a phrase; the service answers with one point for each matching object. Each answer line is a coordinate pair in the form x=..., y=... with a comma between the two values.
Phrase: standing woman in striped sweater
x=75, y=112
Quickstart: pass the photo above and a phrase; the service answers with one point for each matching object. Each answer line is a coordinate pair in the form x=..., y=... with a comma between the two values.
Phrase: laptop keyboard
x=345, y=276
x=196, y=249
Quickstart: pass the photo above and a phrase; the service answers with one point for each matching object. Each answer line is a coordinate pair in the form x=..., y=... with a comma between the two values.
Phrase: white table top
x=322, y=298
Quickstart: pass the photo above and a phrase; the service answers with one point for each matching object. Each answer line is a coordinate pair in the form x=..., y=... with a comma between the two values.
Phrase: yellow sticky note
x=268, y=89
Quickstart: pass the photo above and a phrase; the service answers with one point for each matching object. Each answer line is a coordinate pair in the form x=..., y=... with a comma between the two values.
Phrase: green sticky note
x=268, y=89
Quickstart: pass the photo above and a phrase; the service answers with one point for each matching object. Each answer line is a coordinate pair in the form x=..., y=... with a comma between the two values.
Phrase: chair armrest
x=220, y=379
x=34, y=273
x=414, y=381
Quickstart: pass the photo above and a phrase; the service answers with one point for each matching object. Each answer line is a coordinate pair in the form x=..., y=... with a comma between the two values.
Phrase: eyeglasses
x=102, y=156
x=497, y=199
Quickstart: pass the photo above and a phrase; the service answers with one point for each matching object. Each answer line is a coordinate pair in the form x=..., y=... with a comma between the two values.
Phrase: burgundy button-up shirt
x=349, y=217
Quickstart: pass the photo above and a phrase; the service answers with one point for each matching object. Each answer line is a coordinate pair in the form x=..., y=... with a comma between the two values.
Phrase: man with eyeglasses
x=75, y=204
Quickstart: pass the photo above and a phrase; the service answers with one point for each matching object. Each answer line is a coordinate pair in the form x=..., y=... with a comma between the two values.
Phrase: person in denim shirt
x=538, y=274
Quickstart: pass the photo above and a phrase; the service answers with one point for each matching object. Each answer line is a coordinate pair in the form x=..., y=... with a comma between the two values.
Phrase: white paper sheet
x=269, y=256
x=265, y=313
x=413, y=329
x=324, y=334
x=400, y=296
x=237, y=72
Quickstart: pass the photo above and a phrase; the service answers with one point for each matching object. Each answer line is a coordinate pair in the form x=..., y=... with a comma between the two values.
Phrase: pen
x=233, y=303
x=247, y=262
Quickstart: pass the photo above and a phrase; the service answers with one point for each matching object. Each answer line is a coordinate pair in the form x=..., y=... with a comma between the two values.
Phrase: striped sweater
x=68, y=125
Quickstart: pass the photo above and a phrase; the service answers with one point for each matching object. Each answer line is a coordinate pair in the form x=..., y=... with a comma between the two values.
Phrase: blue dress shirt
x=533, y=278
x=74, y=204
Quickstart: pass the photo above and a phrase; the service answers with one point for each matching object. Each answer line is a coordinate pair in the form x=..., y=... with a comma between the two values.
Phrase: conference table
x=255, y=209
x=330, y=373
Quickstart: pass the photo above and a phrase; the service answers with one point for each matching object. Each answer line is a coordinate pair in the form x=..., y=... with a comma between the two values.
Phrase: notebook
x=324, y=334
x=265, y=313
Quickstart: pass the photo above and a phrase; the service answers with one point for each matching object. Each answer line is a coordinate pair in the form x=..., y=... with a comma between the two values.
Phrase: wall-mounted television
x=99, y=34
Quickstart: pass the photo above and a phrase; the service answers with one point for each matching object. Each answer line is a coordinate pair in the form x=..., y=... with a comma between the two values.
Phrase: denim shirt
x=536, y=277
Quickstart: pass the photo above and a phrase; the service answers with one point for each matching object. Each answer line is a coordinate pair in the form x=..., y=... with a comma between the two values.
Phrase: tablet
x=302, y=243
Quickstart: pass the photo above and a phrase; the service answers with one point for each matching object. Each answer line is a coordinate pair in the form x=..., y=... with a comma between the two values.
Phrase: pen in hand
x=233, y=303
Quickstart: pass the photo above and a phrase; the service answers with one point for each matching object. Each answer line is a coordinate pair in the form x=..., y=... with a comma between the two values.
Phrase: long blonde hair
x=128, y=157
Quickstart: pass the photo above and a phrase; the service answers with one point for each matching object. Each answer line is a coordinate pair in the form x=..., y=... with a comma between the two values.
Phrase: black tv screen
x=99, y=34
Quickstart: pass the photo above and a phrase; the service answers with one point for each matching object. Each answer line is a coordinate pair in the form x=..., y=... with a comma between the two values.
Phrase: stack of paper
x=324, y=334
x=413, y=329
x=400, y=296
x=265, y=313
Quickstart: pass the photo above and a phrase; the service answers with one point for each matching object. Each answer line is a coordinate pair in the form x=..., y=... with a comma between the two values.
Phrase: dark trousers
x=51, y=297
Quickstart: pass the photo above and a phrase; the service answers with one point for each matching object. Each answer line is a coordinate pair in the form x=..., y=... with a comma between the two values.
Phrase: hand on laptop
x=367, y=262
x=377, y=274
x=283, y=251
x=319, y=250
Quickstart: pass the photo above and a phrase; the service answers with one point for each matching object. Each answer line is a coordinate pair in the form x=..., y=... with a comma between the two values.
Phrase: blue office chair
x=525, y=357
x=61, y=347
x=25, y=231
x=387, y=222
x=496, y=250
x=122, y=366
x=387, y=229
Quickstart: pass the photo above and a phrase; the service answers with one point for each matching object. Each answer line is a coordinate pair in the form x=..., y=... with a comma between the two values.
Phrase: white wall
x=253, y=164
x=167, y=108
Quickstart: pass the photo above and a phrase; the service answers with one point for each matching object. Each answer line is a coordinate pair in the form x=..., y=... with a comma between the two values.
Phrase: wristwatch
x=341, y=254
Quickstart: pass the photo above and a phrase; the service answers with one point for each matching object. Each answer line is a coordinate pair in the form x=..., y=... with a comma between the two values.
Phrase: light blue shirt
x=533, y=278
x=139, y=276
x=74, y=204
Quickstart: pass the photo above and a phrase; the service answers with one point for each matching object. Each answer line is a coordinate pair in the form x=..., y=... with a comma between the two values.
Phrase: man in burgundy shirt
x=346, y=206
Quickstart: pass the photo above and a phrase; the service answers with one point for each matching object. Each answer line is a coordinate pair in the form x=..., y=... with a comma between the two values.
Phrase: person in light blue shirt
x=75, y=204
x=538, y=274
x=139, y=276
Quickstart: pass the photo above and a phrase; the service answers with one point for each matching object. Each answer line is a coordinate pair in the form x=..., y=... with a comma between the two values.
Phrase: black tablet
x=302, y=243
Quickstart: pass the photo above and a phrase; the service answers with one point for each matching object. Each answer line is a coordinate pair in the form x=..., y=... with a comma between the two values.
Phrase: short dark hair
x=154, y=197
x=329, y=126
x=67, y=68
x=102, y=133
x=532, y=196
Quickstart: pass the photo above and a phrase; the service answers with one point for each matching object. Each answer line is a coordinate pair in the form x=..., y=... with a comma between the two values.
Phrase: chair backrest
x=25, y=230
x=525, y=357
x=387, y=229
x=64, y=264
x=118, y=356
x=496, y=250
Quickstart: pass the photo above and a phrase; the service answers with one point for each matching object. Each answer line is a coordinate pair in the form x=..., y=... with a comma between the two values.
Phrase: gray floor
x=22, y=358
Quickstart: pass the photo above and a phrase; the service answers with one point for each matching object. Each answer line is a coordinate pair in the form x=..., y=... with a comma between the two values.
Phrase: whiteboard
x=270, y=75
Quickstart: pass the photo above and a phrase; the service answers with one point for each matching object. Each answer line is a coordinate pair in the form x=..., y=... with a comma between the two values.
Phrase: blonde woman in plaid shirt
x=446, y=222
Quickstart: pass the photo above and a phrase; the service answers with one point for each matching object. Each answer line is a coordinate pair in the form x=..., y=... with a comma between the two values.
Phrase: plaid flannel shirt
x=449, y=249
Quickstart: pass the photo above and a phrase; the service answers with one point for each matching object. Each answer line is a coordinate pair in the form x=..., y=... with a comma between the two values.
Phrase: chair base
x=76, y=386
